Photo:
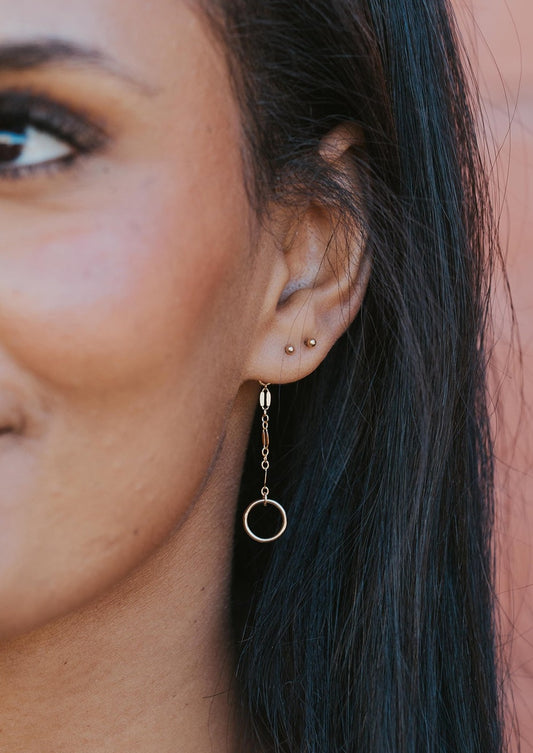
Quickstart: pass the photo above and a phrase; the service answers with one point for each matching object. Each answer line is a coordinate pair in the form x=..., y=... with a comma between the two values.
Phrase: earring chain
x=264, y=401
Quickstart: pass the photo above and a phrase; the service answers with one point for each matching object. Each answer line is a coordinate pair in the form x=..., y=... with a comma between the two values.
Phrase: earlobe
x=325, y=275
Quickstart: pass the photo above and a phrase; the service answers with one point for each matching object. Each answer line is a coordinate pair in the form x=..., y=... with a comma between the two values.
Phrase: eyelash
x=71, y=127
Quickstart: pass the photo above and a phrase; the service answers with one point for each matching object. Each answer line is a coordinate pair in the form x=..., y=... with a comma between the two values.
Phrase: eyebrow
x=23, y=56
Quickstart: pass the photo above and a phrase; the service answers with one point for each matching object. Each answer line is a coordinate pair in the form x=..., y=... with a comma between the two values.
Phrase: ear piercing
x=265, y=399
x=309, y=342
x=265, y=501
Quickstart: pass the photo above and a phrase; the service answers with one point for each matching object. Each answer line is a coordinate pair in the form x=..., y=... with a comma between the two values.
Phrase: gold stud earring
x=265, y=399
x=310, y=342
x=289, y=350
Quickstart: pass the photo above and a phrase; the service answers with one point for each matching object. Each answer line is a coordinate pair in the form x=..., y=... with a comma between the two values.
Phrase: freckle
x=65, y=662
x=202, y=588
x=136, y=532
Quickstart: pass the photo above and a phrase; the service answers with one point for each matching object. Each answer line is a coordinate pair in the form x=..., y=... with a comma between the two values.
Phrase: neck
x=149, y=666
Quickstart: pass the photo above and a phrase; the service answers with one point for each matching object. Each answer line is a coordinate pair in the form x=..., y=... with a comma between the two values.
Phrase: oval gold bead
x=265, y=398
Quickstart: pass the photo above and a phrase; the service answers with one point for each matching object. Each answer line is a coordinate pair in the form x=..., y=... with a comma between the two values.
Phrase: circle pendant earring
x=265, y=399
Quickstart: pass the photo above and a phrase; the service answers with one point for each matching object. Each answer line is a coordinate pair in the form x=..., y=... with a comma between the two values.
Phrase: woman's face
x=127, y=288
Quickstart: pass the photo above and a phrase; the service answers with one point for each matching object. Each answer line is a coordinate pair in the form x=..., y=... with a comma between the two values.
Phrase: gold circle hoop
x=265, y=501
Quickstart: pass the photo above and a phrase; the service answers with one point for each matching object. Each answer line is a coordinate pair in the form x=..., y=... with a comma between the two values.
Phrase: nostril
x=12, y=417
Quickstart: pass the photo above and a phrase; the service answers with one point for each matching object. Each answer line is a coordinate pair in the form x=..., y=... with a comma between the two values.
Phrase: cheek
x=107, y=299
x=124, y=324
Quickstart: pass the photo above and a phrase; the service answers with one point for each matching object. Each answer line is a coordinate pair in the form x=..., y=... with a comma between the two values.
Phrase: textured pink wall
x=499, y=34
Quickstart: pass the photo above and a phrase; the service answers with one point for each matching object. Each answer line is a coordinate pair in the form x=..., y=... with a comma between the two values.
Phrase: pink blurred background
x=499, y=36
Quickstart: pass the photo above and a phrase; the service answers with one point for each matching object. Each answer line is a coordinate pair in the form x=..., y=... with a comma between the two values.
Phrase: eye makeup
x=23, y=113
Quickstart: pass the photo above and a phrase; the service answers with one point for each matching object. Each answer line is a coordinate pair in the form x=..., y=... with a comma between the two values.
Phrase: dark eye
x=27, y=146
x=38, y=133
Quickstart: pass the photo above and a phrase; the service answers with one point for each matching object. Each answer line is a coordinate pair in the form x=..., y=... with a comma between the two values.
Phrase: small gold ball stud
x=310, y=342
x=289, y=350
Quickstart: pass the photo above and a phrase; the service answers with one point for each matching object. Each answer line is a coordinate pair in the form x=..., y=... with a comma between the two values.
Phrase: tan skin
x=140, y=302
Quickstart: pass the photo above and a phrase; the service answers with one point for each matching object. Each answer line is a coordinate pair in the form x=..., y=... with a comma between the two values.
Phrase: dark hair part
x=368, y=628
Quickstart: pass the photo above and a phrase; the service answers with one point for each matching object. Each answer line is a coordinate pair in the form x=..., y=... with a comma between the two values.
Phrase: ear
x=317, y=279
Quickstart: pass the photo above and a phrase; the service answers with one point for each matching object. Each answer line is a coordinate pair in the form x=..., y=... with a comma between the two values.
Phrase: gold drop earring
x=265, y=400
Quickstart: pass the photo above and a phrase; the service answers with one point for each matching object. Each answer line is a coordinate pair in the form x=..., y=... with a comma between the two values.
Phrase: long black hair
x=368, y=628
